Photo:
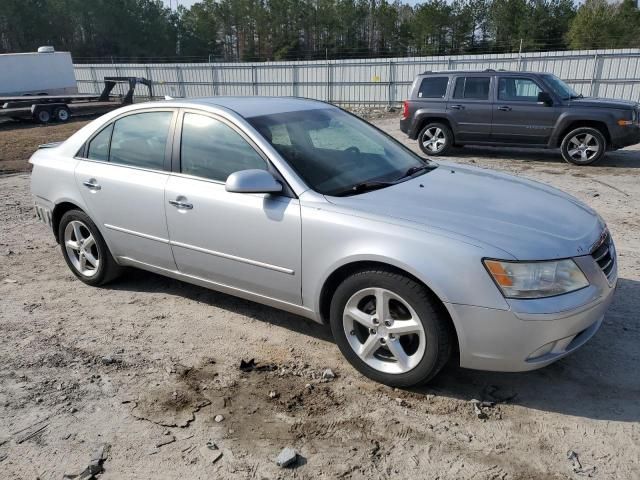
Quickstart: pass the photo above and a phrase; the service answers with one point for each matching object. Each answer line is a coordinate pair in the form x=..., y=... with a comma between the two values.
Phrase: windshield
x=560, y=88
x=336, y=153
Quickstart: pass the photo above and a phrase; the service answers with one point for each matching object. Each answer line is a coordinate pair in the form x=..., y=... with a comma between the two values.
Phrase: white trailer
x=45, y=72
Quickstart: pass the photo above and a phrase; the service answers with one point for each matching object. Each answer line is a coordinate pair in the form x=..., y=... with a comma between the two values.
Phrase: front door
x=470, y=108
x=245, y=241
x=518, y=117
x=122, y=180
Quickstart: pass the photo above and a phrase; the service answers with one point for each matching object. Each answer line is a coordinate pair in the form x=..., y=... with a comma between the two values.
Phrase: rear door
x=470, y=108
x=518, y=117
x=122, y=179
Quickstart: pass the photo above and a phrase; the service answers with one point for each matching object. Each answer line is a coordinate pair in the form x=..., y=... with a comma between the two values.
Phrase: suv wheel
x=387, y=326
x=583, y=146
x=84, y=249
x=435, y=139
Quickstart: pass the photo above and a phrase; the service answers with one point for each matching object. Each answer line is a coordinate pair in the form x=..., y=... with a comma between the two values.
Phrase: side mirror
x=252, y=181
x=545, y=98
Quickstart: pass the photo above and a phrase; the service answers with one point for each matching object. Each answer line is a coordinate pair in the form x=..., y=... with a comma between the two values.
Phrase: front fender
x=451, y=268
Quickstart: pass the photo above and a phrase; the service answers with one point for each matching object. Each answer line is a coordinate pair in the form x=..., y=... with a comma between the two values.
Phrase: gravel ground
x=147, y=364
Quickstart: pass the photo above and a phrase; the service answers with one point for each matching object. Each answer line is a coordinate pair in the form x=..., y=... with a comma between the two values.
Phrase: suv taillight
x=405, y=110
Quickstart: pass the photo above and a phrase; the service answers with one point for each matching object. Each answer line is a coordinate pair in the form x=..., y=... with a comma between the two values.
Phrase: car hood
x=528, y=220
x=603, y=103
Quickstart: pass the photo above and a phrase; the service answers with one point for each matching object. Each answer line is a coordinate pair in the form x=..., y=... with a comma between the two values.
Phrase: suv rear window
x=433, y=87
x=475, y=88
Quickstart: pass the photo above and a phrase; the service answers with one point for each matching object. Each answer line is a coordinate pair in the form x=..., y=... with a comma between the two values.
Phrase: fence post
x=94, y=77
x=593, y=75
x=214, y=79
x=390, y=99
x=328, y=82
x=183, y=92
x=148, y=74
x=254, y=79
x=294, y=80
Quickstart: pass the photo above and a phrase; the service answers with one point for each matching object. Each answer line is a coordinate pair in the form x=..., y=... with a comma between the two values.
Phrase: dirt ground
x=146, y=364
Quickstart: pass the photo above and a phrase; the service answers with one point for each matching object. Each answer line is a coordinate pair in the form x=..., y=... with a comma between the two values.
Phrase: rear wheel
x=388, y=327
x=62, y=114
x=435, y=139
x=84, y=249
x=583, y=146
x=43, y=116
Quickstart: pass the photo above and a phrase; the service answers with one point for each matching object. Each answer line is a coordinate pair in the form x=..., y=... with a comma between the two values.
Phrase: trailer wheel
x=62, y=114
x=43, y=116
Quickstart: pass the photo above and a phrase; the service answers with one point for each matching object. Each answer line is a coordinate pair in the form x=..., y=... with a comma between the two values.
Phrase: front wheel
x=583, y=146
x=84, y=249
x=435, y=139
x=389, y=328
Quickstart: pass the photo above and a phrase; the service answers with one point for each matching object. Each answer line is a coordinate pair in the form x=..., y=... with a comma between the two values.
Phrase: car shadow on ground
x=599, y=381
x=625, y=158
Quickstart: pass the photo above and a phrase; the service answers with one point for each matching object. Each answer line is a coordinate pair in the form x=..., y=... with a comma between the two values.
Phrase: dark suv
x=524, y=109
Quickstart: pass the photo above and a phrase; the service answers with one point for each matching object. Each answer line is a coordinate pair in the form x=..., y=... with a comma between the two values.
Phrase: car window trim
x=498, y=99
x=176, y=160
x=489, y=98
x=84, y=150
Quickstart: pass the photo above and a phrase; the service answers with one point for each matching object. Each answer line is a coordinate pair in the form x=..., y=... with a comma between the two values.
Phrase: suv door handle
x=92, y=184
x=180, y=204
x=456, y=107
x=505, y=108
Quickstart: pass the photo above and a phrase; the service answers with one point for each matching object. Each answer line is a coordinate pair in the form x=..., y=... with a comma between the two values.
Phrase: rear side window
x=140, y=140
x=99, y=145
x=433, y=87
x=211, y=149
x=474, y=88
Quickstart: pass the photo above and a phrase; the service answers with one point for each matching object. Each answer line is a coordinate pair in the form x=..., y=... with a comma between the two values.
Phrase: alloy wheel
x=434, y=139
x=384, y=330
x=81, y=248
x=583, y=147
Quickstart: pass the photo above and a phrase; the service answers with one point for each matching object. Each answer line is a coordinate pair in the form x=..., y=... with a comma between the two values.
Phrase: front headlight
x=536, y=279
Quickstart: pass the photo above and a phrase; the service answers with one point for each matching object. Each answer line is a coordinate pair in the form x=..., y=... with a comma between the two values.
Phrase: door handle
x=92, y=184
x=180, y=204
x=505, y=108
x=456, y=107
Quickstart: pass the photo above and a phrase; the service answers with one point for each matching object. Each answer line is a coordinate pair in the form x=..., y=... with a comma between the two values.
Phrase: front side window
x=433, y=87
x=140, y=140
x=99, y=146
x=518, y=89
x=211, y=149
x=336, y=153
x=561, y=89
x=473, y=88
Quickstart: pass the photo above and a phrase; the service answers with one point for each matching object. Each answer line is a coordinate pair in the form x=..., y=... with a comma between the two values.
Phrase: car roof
x=488, y=71
x=257, y=106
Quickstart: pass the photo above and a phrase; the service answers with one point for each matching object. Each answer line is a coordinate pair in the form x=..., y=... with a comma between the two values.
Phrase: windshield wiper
x=415, y=169
x=574, y=97
x=362, y=187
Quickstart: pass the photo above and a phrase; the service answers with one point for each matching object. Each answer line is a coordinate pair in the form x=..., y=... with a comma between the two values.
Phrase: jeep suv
x=523, y=109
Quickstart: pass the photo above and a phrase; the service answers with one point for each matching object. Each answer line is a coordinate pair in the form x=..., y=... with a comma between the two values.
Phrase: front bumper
x=533, y=333
x=625, y=136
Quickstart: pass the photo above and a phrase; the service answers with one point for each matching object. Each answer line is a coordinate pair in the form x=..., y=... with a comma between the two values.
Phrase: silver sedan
x=299, y=205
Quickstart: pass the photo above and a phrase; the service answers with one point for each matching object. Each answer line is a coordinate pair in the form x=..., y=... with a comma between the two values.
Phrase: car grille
x=604, y=255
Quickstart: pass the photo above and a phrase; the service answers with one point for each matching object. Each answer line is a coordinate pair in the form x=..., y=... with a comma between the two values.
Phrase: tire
x=62, y=114
x=583, y=146
x=427, y=340
x=76, y=225
x=428, y=143
x=43, y=116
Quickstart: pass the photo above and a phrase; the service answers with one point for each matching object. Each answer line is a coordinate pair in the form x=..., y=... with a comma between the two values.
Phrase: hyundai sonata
x=299, y=205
